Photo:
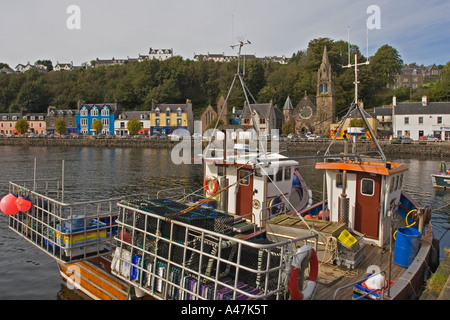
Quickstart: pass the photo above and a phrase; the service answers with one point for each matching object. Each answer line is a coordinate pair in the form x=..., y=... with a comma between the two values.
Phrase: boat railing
x=172, y=253
x=66, y=231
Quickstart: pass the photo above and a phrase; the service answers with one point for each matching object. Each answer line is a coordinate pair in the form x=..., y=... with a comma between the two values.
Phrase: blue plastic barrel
x=407, y=244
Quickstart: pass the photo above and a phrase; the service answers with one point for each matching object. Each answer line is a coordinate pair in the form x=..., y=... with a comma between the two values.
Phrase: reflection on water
x=96, y=173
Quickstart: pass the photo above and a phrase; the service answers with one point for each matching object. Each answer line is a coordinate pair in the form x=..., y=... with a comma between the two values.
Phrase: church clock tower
x=325, y=108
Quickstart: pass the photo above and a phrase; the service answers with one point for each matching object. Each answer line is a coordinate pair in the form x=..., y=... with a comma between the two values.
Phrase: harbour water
x=27, y=273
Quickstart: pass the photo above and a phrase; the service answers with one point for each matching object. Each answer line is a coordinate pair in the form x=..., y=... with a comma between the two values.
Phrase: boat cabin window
x=367, y=187
x=339, y=180
x=287, y=174
x=220, y=171
x=280, y=174
x=244, y=177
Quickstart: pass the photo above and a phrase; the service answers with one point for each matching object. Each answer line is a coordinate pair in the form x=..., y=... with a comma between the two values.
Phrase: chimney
x=394, y=101
x=424, y=101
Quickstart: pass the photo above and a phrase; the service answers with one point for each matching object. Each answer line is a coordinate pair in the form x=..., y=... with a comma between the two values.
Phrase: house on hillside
x=414, y=76
x=63, y=66
x=160, y=54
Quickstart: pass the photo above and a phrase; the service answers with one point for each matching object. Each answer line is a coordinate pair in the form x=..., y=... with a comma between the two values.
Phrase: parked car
x=401, y=140
x=431, y=138
x=77, y=136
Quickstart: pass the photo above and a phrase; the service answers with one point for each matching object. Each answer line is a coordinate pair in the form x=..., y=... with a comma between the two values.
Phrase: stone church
x=315, y=117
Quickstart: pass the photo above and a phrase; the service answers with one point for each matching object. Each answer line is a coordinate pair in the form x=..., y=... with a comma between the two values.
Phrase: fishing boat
x=251, y=234
x=441, y=179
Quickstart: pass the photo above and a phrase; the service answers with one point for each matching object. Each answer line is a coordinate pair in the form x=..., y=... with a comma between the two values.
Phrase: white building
x=160, y=54
x=121, y=123
x=416, y=119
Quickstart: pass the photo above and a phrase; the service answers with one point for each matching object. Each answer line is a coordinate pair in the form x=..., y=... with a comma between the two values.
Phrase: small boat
x=251, y=234
x=441, y=179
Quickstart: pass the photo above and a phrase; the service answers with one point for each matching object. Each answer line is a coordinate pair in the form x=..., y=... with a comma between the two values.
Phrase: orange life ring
x=301, y=254
x=211, y=185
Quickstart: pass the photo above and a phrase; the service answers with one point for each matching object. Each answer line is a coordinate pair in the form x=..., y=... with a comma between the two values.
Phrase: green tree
x=133, y=126
x=29, y=97
x=22, y=126
x=97, y=125
x=386, y=64
x=60, y=126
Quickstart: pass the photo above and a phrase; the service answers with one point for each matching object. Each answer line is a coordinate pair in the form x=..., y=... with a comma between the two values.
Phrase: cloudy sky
x=38, y=29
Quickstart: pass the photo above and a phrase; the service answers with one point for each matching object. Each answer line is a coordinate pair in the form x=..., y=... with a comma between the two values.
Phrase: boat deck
x=332, y=277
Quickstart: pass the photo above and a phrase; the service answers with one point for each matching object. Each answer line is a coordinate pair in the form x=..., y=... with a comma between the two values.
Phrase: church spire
x=325, y=60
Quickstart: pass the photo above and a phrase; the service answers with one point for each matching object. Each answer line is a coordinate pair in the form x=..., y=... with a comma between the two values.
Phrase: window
x=168, y=122
x=406, y=120
x=157, y=122
x=105, y=122
x=439, y=120
x=367, y=187
x=179, y=113
x=179, y=122
x=287, y=174
x=157, y=112
x=94, y=112
x=105, y=112
x=420, y=120
x=339, y=180
x=83, y=112
x=280, y=174
x=244, y=177
x=167, y=112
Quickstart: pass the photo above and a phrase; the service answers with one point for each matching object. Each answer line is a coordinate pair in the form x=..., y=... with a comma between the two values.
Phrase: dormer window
x=105, y=112
x=157, y=112
x=167, y=112
x=94, y=112
x=83, y=112
x=179, y=112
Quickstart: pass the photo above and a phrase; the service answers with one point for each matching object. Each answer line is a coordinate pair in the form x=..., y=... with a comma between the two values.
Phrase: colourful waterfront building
x=105, y=112
x=166, y=118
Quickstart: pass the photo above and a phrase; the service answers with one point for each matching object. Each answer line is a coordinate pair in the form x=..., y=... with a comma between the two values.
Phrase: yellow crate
x=346, y=238
x=81, y=237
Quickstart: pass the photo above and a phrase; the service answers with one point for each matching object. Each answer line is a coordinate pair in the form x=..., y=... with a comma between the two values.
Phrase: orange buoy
x=23, y=204
x=308, y=216
x=8, y=204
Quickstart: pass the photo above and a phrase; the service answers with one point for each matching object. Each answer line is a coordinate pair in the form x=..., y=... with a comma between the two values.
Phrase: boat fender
x=210, y=185
x=297, y=260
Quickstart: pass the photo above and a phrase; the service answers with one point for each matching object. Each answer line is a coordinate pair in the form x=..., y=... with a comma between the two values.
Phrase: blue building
x=87, y=113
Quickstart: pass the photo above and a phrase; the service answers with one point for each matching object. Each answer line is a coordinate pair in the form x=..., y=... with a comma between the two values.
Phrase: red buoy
x=23, y=204
x=8, y=204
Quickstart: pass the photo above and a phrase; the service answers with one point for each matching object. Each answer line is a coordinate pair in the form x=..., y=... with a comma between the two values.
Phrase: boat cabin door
x=244, y=194
x=367, y=206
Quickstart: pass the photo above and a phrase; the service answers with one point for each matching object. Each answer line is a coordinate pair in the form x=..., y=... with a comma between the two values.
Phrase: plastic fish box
x=85, y=249
x=78, y=236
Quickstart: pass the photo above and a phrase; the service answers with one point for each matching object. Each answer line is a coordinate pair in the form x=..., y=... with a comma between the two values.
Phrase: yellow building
x=335, y=126
x=165, y=118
